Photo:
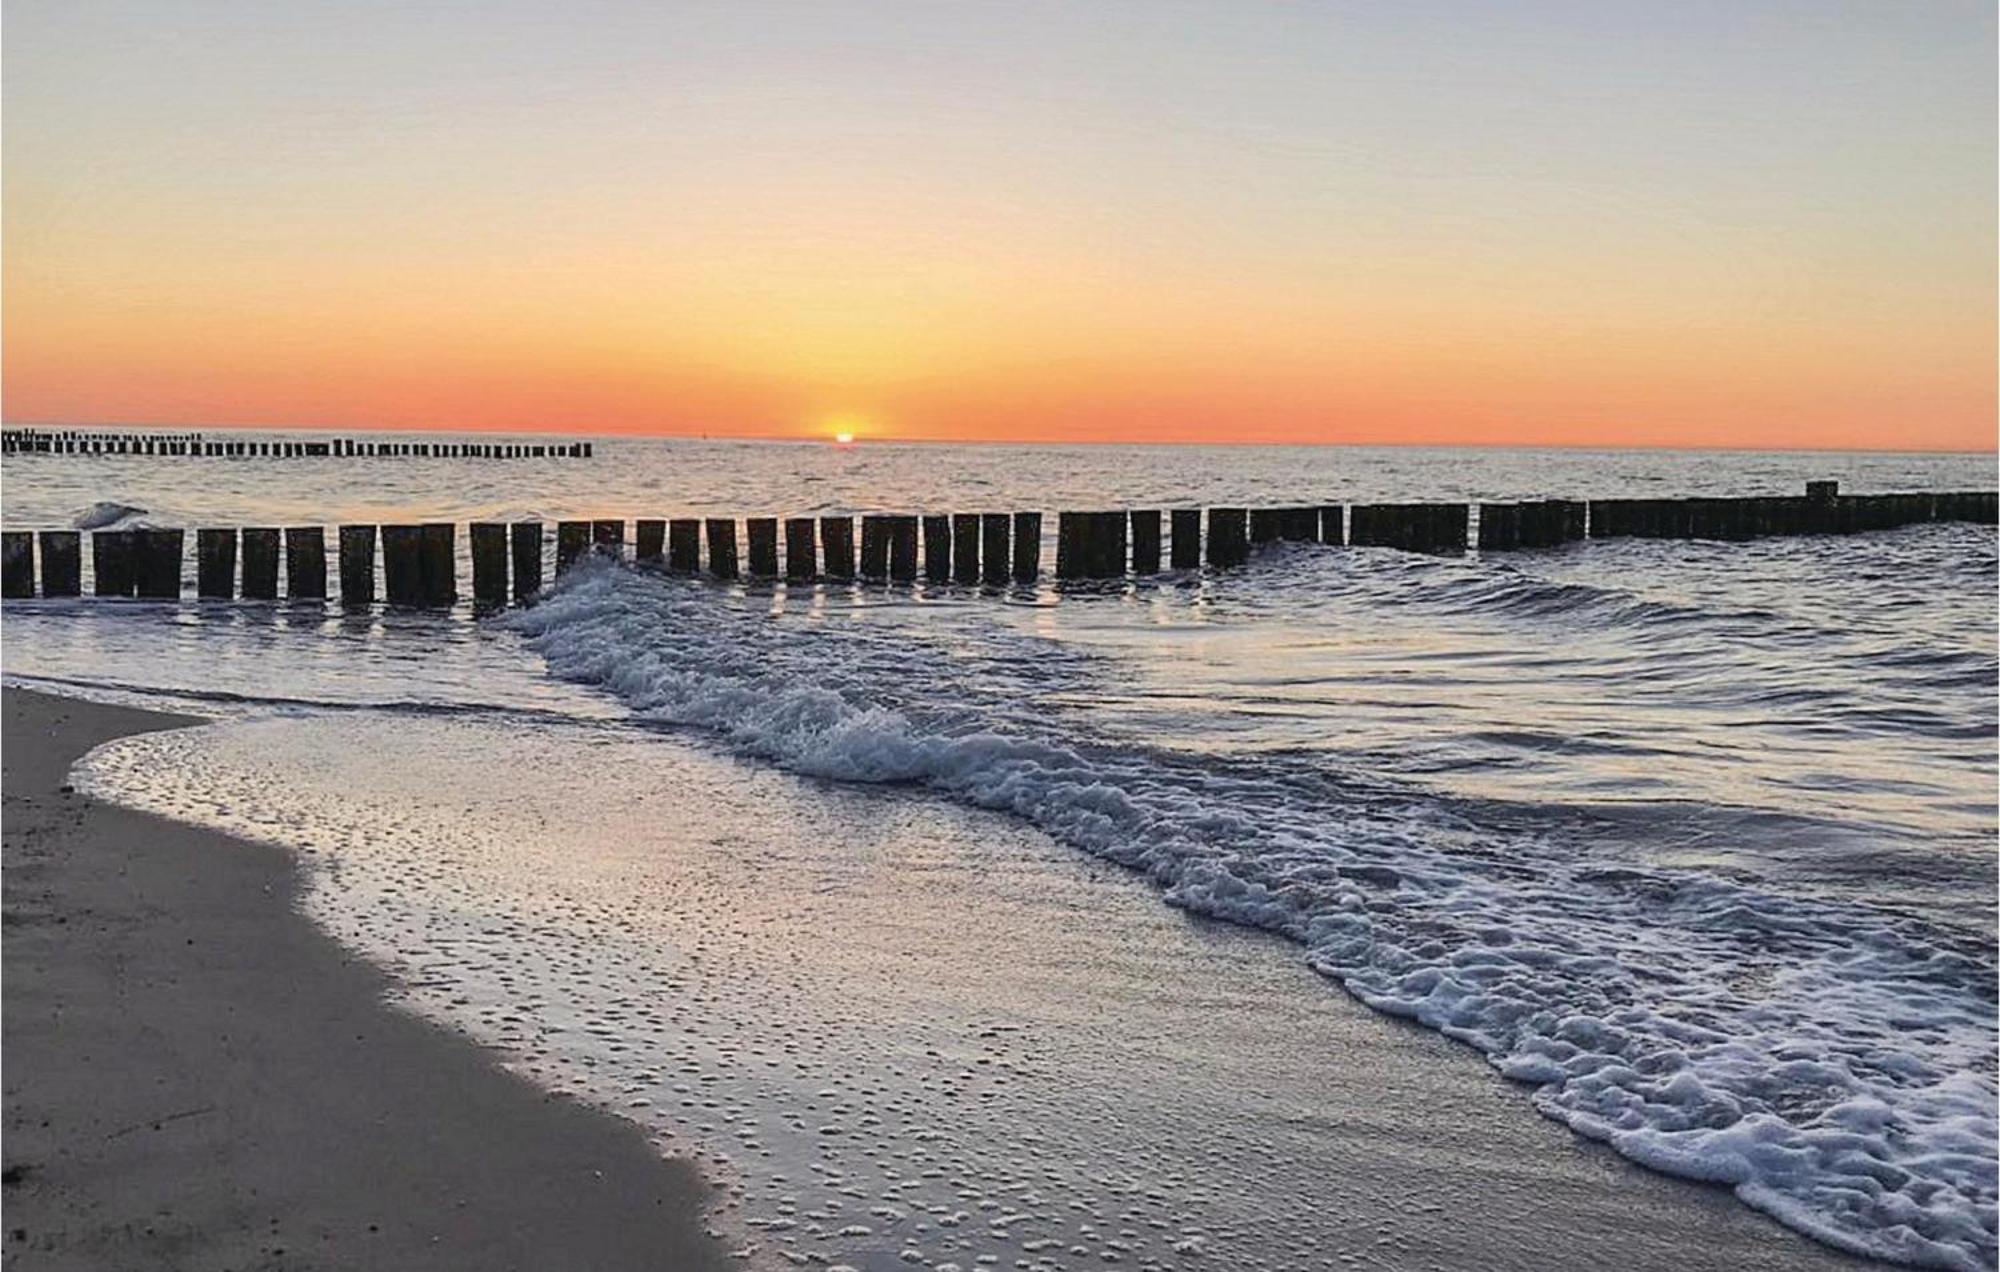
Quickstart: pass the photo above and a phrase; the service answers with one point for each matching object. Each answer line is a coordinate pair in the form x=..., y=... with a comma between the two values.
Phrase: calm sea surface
x=1696, y=839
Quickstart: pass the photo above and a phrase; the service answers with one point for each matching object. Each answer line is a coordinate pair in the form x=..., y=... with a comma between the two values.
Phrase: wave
x=105, y=515
x=1832, y=1063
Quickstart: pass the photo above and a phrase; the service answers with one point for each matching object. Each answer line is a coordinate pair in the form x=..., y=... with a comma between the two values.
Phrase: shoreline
x=1408, y=1114
x=197, y=1075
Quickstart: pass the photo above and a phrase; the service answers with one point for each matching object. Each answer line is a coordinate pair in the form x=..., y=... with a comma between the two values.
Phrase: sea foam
x=1832, y=1063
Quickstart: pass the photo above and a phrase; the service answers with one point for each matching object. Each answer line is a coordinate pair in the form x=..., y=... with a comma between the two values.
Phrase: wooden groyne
x=28, y=441
x=420, y=564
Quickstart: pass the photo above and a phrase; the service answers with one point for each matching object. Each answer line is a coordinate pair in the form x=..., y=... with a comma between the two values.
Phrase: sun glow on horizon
x=1255, y=223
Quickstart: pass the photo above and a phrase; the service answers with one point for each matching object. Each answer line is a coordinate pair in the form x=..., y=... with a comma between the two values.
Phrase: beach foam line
x=1832, y=1063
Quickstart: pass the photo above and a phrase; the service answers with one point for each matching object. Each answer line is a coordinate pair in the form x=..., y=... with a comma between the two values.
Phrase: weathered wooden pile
x=29, y=441
x=420, y=563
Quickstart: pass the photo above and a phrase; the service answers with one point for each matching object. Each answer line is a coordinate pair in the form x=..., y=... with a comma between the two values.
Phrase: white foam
x=1832, y=1063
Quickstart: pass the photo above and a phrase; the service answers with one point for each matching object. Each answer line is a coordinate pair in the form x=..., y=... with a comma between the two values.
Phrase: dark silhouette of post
x=1145, y=540
x=111, y=562
x=874, y=547
x=994, y=566
x=903, y=548
x=1187, y=538
x=836, y=543
x=440, y=563
x=62, y=562
x=937, y=548
x=572, y=541
x=762, y=533
x=525, y=538
x=260, y=563
x=305, y=563
x=215, y=564
x=357, y=566
x=684, y=545
x=17, y=564
x=722, y=547
x=1027, y=546
x=965, y=547
x=489, y=562
x=649, y=541
x=1228, y=536
x=801, y=551
x=402, y=564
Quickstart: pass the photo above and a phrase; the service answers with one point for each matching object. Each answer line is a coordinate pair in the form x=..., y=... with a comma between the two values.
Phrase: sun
x=846, y=427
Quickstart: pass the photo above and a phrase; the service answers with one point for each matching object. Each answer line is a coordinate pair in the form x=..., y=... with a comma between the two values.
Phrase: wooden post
x=994, y=567
x=215, y=564
x=965, y=547
x=1228, y=536
x=1299, y=525
x=903, y=548
x=762, y=533
x=608, y=537
x=62, y=562
x=1113, y=529
x=937, y=548
x=402, y=564
x=17, y=564
x=525, y=538
x=489, y=562
x=1187, y=538
x=1822, y=491
x=1027, y=547
x=260, y=564
x=572, y=541
x=440, y=563
x=1499, y=527
x=1265, y=525
x=722, y=547
x=305, y=562
x=684, y=545
x=1145, y=540
x=111, y=562
x=1072, y=534
x=650, y=538
x=801, y=554
x=874, y=546
x=836, y=544
x=357, y=566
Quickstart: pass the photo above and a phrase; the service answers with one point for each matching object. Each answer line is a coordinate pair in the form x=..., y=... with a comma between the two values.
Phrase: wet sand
x=1348, y=1137
x=196, y=1076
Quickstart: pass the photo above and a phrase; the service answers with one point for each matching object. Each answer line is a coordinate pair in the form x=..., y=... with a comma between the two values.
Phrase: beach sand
x=196, y=1076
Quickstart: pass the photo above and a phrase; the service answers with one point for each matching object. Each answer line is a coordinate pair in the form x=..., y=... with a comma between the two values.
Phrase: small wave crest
x=107, y=515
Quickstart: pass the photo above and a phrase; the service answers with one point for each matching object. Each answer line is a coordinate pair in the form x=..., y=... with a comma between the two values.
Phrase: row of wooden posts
x=420, y=561
x=22, y=441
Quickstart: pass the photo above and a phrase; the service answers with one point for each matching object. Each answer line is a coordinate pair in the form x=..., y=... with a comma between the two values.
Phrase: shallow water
x=1696, y=837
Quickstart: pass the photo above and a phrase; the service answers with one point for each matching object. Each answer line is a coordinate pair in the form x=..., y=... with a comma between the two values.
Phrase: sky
x=1600, y=223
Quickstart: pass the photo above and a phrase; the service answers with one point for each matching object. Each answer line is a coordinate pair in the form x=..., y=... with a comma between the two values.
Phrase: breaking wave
x=1831, y=1062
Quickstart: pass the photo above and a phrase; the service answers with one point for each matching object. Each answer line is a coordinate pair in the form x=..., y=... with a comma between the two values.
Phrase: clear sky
x=1738, y=223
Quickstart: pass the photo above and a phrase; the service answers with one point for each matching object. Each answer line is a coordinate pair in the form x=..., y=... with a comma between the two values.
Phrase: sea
x=963, y=926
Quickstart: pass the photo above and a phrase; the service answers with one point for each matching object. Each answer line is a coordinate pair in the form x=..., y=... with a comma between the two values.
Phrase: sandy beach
x=197, y=1077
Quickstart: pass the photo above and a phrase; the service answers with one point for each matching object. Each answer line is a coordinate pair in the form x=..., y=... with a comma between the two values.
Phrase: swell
x=1831, y=1062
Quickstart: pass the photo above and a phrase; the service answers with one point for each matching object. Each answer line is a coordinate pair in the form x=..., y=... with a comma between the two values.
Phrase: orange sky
x=1572, y=226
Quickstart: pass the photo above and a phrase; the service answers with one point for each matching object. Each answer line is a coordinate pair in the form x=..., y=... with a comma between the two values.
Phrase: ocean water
x=1695, y=841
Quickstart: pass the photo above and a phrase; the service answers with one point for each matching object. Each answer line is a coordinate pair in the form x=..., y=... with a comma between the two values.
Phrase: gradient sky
x=1591, y=223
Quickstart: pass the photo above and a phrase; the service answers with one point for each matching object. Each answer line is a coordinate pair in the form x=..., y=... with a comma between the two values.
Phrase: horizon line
x=795, y=439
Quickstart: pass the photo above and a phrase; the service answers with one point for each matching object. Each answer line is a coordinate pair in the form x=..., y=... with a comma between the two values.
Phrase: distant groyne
x=420, y=563
x=29, y=441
